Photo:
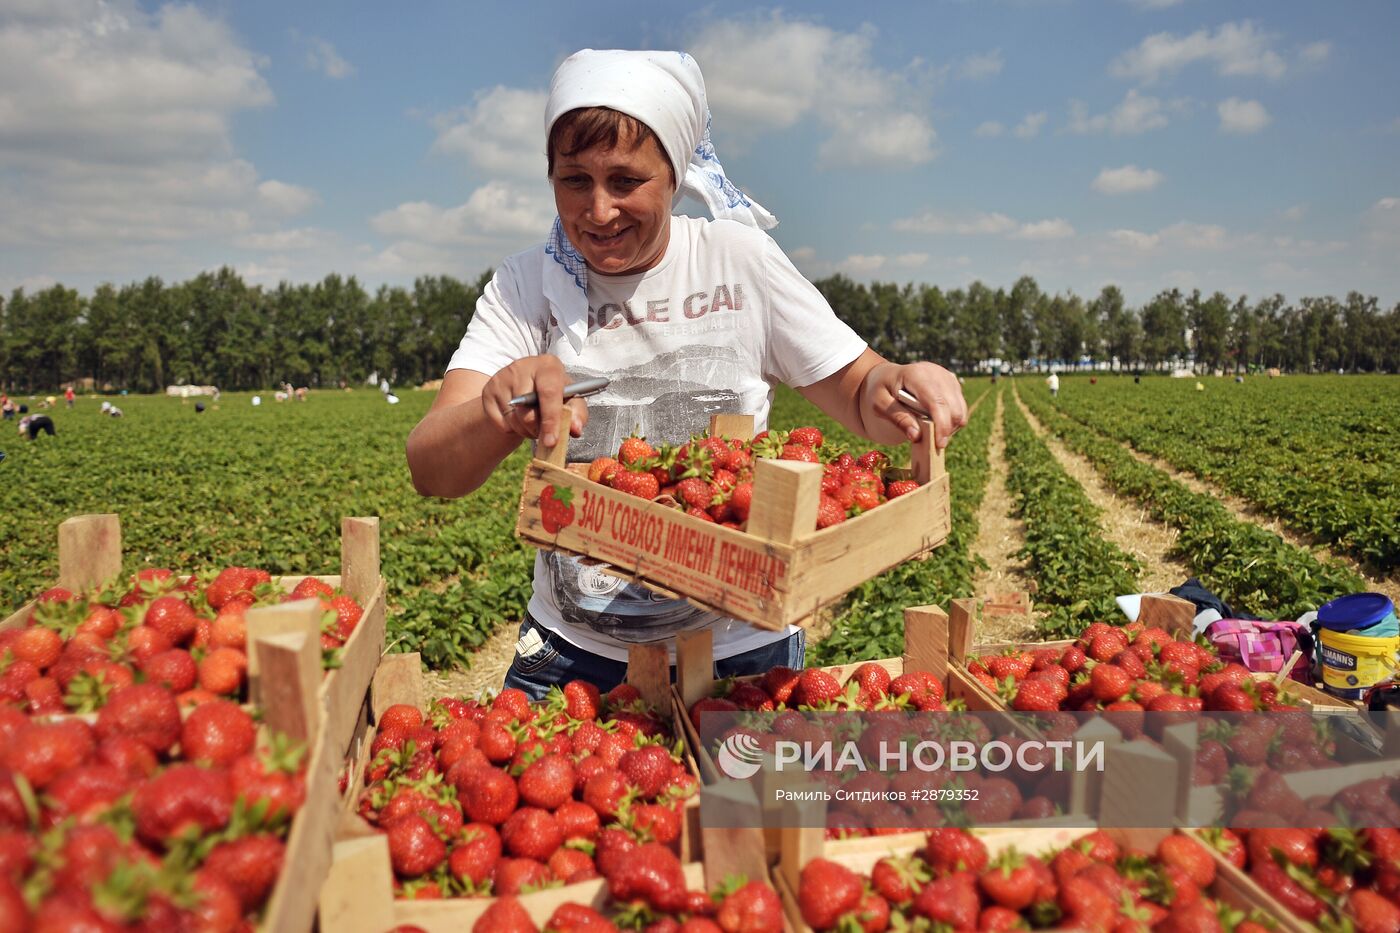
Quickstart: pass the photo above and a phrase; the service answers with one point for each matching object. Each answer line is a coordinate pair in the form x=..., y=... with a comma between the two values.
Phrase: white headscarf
x=665, y=91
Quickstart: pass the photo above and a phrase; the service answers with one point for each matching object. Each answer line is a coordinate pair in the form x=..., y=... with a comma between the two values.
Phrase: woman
x=686, y=316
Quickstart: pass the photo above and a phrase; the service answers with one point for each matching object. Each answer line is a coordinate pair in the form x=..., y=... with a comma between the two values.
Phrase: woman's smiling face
x=615, y=204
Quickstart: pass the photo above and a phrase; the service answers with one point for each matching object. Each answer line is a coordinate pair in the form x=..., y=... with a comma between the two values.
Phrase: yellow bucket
x=1352, y=664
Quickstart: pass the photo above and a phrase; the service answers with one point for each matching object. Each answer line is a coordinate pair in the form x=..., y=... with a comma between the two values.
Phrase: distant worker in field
x=33, y=425
x=624, y=287
x=301, y=393
x=68, y=396
x=1053, y=381
x=7, y=407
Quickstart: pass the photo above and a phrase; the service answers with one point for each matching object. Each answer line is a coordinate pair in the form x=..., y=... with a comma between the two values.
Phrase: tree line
x=215, y=329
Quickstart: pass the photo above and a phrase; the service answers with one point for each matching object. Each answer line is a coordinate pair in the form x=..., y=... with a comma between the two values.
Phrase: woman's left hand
x=936, y=390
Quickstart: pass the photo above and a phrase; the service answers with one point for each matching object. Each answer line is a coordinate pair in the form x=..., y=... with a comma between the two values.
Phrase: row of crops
x=1320, y=453
x=267, y=486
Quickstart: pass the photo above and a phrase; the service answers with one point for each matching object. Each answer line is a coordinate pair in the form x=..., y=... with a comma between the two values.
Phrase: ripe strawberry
x=144, y=711
x=694, y=492
x=741, y=500
x=582, y=700
x=750, y=696
x=1009, y=881
x=38, y=645
x=475, y=853
x=556, y=509
x=414, y=848
x=633, y=450
x=179, y=797
x=531, y=833
x=311, y=588
x=1290, y=893
x=800, y=453
x=1037, y=696
x=604, y=792
x=223, y=670
x=276, y=776
x=250, y=866
x=1109, y=682
x=128, y=755
x=347, y=615
x=951, y=850
x=547, y=782
x=829, y=511
x=601, y=470
x=873, y=679
x=44, y=697
x=504, y=915
x=950, y=902
x=900, y=487
x=1189, y=856
x=175, y=670
x=145, y=642
x=218, y=733
x=636, y=483
x=753, y=908
x=621, y=695
x=404, y=716
x=652, y=873
x=172, y=617
x=779, y=682
x=647, y=768
x=808, y=436
x=488, y=795
x=1372, y=912
x=815, y=687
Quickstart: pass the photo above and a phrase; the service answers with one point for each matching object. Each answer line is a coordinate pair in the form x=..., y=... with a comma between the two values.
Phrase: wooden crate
x=357, y=896
x=362, y=881
x=90, y=554
x=860, y=855
x=925, y=640
x=777, y=572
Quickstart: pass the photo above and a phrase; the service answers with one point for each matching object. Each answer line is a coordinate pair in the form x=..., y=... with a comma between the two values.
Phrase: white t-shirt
x=721, y=320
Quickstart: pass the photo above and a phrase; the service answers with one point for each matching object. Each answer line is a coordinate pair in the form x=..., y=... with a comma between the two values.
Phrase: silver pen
x=580, y=389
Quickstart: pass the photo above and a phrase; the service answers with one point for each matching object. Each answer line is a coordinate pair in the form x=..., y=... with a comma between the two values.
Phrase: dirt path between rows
x=1125, y=522
x=1000, y=534
x=1245, y=511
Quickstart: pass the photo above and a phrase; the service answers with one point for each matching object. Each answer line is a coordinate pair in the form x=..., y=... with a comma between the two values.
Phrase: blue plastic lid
x=1355, y=610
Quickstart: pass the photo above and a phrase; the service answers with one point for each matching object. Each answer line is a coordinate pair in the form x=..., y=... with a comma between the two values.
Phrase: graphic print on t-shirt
x=667, y=398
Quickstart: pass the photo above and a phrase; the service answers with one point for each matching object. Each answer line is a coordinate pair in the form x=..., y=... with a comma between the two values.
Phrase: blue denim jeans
x=560, y=661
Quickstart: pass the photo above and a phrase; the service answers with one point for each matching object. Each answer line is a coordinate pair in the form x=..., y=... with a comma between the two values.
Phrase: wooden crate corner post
x=397, y=680
x=732, y=426
x=359, y=557
x=89, y=551
x=358, y=893
x=926, y=640
x=695, y=665
x=925, y=459
x=785, y=498
x=731, y=829
x=649, y=670
x=1139, y=785
x=284, y=665
x=1172, y=613
x=962, y=621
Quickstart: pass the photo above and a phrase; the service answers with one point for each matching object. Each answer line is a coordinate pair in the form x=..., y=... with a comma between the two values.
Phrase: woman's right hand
x=545, y=376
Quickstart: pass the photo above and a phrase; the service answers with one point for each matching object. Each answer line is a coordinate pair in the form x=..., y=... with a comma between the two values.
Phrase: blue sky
x=1250, y=147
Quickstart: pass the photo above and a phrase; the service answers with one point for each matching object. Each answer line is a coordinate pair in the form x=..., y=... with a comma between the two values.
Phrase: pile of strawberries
x=505, y=796
x=185, y=633
x=953, y=884
x=645, y=899
x=711, y=478
x=1328, y=876
x=142, y=821
x=1130, y=668
x=869, y=687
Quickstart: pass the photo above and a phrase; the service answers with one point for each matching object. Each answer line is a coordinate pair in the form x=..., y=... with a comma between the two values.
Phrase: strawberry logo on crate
x=556, y=509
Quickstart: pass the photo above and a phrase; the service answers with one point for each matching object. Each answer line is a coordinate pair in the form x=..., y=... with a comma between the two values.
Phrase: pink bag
x=1264, y=646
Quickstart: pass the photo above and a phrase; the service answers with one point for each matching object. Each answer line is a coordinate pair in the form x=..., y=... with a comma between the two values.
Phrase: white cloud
x=299, y=239
x=1242, y=116
x=983, y=224
x=494, y=209
x=1137, y=113
x=1154, y=4
x=322, y=56
x=802, y=254
x=779, y=72
x=981, y=66
x=1126, y=180
x=1031, y=125
x=1234, y=49
x=1197, y=236
x=116, y=150
x=911, y=260
x=284, y=198
x=266, y=274
x=989, y=128
x=1057, y=229
x=861, y=265
x=1135, y=239
x=501, y=132
x=1294, y=213
x=1315, y=53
